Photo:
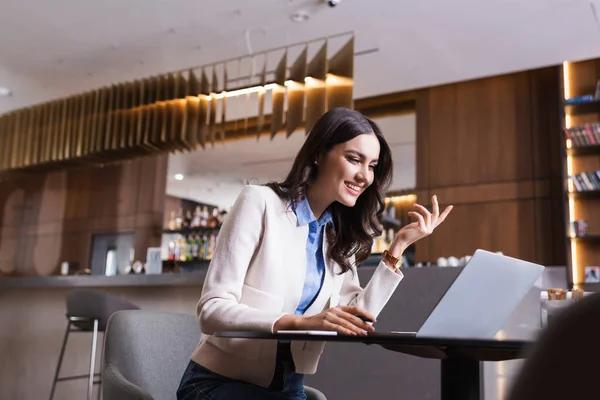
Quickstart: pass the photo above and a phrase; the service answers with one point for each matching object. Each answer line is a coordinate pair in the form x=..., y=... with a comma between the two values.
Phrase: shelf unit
x=187, y=231
x=586, y=239
x=578, y=79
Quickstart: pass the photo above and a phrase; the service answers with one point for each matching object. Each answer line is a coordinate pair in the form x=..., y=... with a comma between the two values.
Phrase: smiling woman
x=344, y=165
x=286, y=260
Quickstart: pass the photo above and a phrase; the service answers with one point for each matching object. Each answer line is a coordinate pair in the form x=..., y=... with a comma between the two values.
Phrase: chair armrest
x=116, y=387
x=313, y=394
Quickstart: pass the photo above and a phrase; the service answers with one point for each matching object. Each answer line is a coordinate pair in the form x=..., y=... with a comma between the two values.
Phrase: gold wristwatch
x=392, y=261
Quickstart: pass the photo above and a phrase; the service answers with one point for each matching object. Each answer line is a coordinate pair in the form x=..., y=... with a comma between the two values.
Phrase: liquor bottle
x=172, y=223
x=177, y=251
x=171, y=255
x=187, y=220
x=201, y=252
x=196, y=219
x=205, y=244
x=179, y=219
x=183, y=249
x=190, y=247
x=213, y=220
x=204, y=217
x=195, y=247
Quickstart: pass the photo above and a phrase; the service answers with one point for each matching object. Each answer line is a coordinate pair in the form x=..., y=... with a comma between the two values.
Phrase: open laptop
x=481, y=298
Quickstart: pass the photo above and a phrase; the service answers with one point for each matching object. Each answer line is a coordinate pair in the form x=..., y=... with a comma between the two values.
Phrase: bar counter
x=193, y=278
x=101, y=281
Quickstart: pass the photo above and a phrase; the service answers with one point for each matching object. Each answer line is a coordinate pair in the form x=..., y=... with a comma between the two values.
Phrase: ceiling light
x=5, y=92
x=300, y=16
x=179, y=177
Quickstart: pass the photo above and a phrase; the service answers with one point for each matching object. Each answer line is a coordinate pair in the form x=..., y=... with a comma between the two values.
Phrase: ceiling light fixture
x=5, y=92
x=300, y=16
x=179, y=177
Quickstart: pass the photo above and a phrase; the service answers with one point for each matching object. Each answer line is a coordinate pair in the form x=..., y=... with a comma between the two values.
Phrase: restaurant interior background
x=54, y=224
x=470, y=95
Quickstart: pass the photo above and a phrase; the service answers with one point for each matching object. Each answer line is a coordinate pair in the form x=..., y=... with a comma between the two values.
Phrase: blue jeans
x=199, y=383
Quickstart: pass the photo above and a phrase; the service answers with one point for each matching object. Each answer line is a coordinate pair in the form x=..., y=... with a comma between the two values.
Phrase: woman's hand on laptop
x=346, y=320
x=424, y=224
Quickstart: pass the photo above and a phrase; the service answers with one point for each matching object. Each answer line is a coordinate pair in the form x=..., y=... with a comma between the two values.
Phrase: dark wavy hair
x=353, y=227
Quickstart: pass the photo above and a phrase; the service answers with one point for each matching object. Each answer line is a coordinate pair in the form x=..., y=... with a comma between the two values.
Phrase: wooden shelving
x=586, y=194
x=586, y=239
x=580, y=123
x=584, y=151
x=587, y=107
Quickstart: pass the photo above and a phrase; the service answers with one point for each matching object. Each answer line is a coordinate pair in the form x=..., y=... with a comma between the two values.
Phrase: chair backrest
x=95, y=304
x=150, y=349
x=561, y=363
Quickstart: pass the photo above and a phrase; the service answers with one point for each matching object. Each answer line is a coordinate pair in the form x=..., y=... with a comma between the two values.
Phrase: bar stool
x=88, y=311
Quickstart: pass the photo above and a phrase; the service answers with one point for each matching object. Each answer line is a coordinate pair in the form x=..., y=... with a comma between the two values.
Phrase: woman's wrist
x=287, y=322
x=397, y=248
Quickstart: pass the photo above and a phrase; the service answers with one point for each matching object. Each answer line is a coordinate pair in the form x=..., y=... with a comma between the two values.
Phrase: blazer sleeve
x=219, y=307
x=375, y=294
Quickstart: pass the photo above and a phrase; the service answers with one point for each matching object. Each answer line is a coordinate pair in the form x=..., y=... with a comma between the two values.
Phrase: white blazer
x=256, y=276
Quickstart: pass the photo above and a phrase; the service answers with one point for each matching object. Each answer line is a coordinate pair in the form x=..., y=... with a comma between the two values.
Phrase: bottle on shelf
x=177, y=252
x=196, y=218
x=204, y=217
x=183, y=249
x=187, y=220
x=213, y=220
x=205, y=248
x=171, y=253
x=179, y=219
x=195, y=247
x=190, y=247
x=172, y=223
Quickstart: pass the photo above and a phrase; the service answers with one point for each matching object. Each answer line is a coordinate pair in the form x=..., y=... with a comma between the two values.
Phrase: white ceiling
x=55, y=48
x=50, y=49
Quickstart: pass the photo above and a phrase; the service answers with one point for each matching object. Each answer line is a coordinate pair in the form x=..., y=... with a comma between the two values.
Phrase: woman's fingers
x=425, y=213
x=436, y=208
x=444, y=214
x=358, y=311
x=358, y=316
x=419, y=219
x=332, y=326
x=341, y=319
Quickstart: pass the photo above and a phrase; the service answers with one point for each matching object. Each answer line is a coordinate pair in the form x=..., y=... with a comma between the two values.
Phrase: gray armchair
x=146, y=353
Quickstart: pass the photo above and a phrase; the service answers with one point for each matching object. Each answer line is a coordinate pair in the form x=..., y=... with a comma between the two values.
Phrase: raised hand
x=425, y=223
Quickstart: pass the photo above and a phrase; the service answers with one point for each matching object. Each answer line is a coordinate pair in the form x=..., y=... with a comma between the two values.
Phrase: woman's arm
x=375, y=295
x=386, y=278
x=239, y=237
